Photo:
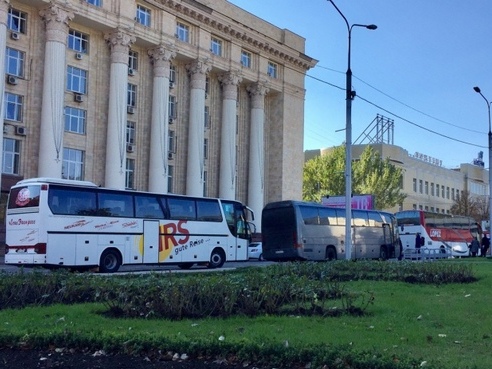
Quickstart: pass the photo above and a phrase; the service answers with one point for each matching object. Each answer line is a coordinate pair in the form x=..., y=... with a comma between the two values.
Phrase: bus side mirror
x=402, y=227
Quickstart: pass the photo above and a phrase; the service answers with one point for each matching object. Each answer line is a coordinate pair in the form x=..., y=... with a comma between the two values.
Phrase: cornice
x=205, y=15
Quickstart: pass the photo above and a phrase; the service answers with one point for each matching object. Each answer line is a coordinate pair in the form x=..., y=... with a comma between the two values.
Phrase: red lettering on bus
x=171, y=232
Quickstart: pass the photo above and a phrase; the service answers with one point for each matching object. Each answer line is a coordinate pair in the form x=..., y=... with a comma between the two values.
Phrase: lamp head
x=372, y=27
x=477, y=89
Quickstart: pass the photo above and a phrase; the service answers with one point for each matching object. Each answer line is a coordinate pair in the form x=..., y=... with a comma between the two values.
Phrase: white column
x=256, y=180
x=50, y=157
x=227, y=185
x=4, y=8
x=119, y=42
x=161, y=57
x=194, y=172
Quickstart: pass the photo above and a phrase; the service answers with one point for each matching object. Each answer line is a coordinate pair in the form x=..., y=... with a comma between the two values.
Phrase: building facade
x=183, y=96
x=428, y=185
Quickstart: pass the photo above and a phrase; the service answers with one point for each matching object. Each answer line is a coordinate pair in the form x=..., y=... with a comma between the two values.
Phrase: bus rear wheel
x=110, y=261
x=383, y=253
x=331, y=254
x=217, y=259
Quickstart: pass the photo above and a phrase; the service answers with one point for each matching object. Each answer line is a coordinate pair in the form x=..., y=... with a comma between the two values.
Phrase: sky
x=418, y=68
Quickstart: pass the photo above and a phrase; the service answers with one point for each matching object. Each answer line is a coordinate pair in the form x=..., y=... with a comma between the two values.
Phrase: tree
x=325, y=175
x=476, y=207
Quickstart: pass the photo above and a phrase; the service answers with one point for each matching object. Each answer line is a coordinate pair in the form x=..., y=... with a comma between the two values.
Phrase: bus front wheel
x=217, y=259
x=331, y=254
x=110, y=261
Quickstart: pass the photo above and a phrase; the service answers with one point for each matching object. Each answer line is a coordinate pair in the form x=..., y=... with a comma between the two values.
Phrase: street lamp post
x=477, y=89
x=348, y=137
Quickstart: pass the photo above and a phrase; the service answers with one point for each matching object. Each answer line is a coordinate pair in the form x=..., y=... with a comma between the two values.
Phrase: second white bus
x=56, y=223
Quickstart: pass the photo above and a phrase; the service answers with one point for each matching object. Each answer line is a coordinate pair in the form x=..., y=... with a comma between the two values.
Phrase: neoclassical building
x=195, y=97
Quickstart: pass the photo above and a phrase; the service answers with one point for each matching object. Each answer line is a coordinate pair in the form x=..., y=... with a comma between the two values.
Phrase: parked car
x=255, y=251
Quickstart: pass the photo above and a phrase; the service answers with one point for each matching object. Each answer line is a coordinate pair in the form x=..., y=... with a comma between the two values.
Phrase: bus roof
x=57, y=181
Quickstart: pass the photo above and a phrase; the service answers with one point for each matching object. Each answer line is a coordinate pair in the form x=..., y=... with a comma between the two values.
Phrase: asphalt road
x=151, y=268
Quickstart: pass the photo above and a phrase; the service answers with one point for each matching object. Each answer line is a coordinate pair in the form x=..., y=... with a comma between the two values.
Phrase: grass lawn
x=448, y=326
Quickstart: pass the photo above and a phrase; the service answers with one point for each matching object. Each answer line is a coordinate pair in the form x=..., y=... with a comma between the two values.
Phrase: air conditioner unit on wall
x=170, y=155
x=14, y=35
x=130, y=148
x=171, y=120
x=171, y=84
x=20, y=131
x=78, y=56
x=131, y=71
x=78, y=98
x=130, y=110
x=12, y=80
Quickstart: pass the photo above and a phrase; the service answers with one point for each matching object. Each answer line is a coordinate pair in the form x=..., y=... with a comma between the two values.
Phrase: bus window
x=181, y=209
x=228, y=208
x=208, y=211
x=309, y=215
x=327, y=216
x=375, y=219
x=24, y=197
x=117, y=204
x=341, y=217
x=148, y=207
x=359, y=218
x=68, y=201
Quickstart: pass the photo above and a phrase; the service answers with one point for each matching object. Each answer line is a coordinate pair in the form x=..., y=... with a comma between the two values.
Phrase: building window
x=11, y=156
x=272, y=70
x=76, y=80
x=94, y=2
x=172, y=74
x=73, y=164
x=17, y=21
x=442, y=192
x=130, y=132
x=207, y=86
x=452, y=194
x=14, y=62
x=172, y=107
x=432, y=189
x=130, y=174
x=205, y=148
x=426, y=187
x=132, y=95
x=143, y=15
x=447, y=193
x=182, y=32
x=13, y=107
x=133, y=60
x=216, y=46
x=171, y=142
x=415, y=185
x=78, y=41
x=170, y=175
x=205, y=176
x=75, y=120
x=207, y=117
x=246, y=59
x=420, y=186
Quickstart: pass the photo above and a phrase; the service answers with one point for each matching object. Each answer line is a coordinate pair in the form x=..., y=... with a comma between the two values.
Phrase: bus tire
x=331, y=253
x=217, y=259
x=185, y=265
x=383, y=253
x=110, y=261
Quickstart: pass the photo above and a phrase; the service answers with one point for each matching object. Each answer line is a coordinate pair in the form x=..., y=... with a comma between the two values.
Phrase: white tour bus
x=61, y=223
x=296, y=230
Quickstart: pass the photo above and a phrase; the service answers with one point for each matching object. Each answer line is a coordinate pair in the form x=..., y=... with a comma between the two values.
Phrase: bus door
x=151, y=241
